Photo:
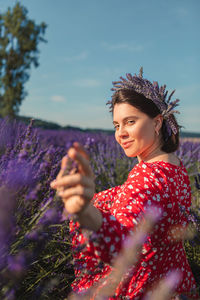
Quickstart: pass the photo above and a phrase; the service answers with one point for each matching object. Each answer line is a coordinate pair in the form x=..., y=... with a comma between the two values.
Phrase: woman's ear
x=158, y=120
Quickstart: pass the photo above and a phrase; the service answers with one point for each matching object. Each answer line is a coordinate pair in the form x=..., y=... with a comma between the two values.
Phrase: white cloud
x=181, y=12
x=81, y=56
x=87, y=82
x=58, y=99
x=123, y=46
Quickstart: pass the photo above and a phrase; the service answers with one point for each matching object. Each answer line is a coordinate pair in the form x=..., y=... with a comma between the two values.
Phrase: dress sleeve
x=143, y=189
x=104, y=200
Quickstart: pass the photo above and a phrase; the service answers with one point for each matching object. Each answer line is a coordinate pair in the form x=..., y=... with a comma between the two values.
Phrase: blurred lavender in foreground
x=30, y=218
x=165, y=288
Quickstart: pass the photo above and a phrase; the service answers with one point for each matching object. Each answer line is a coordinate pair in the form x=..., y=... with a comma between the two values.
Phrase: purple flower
x=17, y=264
x=51, y=216
x=18, y=174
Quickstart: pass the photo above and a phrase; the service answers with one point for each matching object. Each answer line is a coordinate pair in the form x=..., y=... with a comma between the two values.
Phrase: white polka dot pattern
x=160, y=184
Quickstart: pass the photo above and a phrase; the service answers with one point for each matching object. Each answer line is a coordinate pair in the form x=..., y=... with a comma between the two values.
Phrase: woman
x=144, y=127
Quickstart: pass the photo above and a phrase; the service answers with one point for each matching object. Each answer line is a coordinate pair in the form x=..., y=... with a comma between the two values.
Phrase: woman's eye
x=116, y=127
x=131, y=122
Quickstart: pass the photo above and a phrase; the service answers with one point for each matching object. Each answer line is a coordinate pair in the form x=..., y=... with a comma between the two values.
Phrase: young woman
x=144, y=127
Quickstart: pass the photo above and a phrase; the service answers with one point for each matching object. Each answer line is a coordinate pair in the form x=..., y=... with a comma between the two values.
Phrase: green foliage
x=51, y=273
x=19, y=39
x=38, y=123
x=193, y=255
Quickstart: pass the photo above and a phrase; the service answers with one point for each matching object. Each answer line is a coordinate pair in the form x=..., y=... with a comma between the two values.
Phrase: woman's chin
x=130, y=153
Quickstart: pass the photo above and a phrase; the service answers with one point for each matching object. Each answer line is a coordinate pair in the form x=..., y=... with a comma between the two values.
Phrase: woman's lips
x=127, y=144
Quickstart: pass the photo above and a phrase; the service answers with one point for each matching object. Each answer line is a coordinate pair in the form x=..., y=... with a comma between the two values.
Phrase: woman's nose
x=122, y=132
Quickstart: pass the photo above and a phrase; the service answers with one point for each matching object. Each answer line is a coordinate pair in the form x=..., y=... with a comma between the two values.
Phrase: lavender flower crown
x=153, y=92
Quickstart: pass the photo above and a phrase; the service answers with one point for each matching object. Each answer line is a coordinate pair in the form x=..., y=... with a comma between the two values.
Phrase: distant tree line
x=51, y=125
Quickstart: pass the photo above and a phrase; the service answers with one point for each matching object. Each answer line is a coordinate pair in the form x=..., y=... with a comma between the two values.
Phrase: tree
x=19, y=39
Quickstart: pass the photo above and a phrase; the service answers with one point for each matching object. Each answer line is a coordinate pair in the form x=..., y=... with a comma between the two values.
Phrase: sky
x=93, y=42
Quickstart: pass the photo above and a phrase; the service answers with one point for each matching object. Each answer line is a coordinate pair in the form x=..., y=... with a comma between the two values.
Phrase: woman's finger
x=74, y=204
x=81, y=150
x=65, y=163
x=83, y=163
x=71, y=180
x=85, y=193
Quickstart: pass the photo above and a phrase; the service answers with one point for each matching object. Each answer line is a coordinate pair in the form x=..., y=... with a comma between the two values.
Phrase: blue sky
x=93, y=42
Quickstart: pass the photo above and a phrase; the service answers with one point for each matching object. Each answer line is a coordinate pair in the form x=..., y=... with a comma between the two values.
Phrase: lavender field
x=35, y=256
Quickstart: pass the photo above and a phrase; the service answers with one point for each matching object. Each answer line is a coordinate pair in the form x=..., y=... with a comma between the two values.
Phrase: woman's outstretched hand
x=75, y=189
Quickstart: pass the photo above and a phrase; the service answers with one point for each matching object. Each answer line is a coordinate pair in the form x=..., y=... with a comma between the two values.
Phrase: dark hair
x=147, y=106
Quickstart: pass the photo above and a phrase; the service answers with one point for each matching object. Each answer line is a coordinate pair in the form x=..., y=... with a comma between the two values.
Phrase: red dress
x=159, y=184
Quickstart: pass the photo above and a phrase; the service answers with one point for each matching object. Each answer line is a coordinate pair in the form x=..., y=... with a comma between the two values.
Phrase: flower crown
x=153, y=92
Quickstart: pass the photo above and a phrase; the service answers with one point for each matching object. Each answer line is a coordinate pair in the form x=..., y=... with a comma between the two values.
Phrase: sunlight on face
x=134, y=130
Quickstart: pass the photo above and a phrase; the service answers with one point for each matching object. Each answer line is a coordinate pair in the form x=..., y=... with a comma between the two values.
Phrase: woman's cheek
x=116, y=137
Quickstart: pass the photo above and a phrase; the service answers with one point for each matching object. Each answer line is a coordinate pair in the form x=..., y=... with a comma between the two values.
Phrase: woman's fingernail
x=53, y=183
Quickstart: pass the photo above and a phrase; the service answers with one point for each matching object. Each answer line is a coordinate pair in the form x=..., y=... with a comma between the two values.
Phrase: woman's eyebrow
x=125, y=119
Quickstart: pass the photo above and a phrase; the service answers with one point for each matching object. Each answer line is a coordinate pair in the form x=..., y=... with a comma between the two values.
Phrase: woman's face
x=135, y=131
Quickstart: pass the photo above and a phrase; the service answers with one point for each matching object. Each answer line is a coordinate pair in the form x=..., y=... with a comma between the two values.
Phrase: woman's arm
x=90, y=218
x=77, y=190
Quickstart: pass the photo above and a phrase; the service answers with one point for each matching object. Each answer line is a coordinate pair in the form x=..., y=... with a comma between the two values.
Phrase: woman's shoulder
x=158, y=170
x=161, y=165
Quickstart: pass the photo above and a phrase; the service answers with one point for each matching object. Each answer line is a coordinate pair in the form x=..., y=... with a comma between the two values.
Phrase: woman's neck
x=151, y=154
x=151, y=157
x=161, y=156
